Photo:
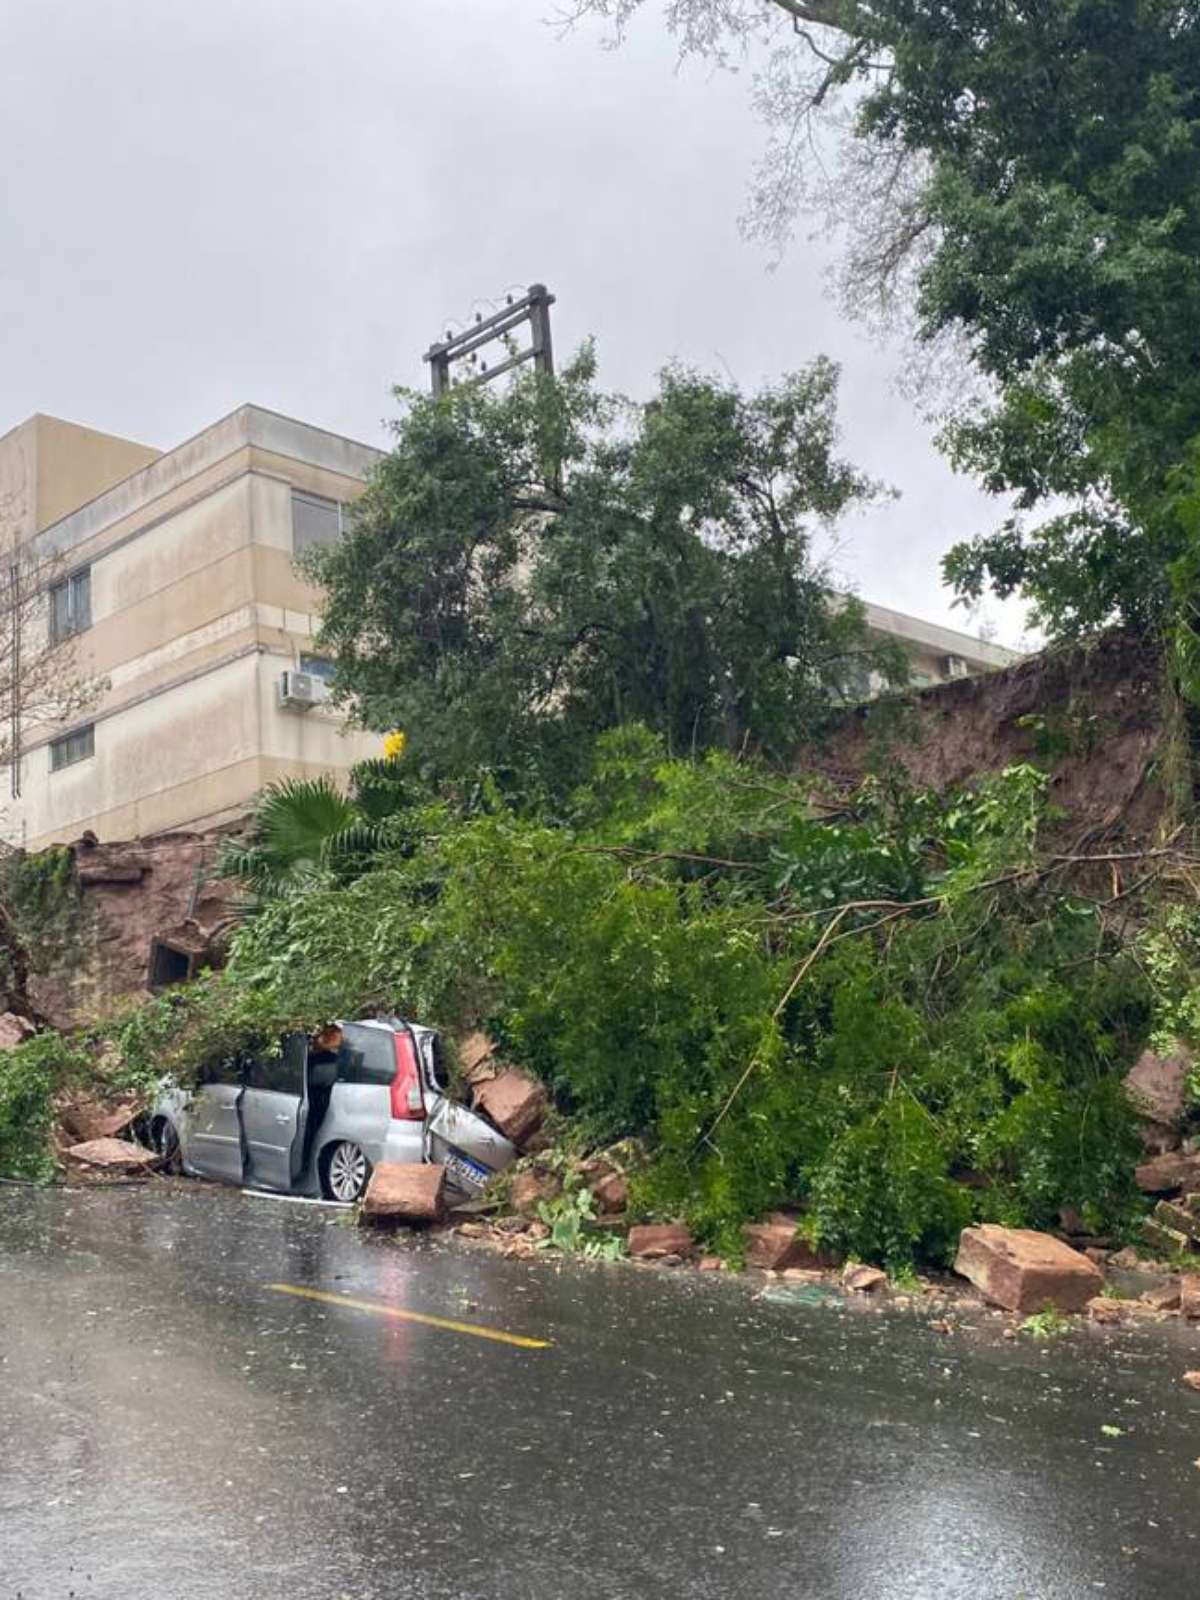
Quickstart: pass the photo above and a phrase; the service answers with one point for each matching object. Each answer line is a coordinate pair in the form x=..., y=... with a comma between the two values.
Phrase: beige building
x=174, y=580
x=938, y=654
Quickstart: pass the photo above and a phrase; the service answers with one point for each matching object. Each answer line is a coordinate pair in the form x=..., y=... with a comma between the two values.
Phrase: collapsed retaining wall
x=1094, y=715
x=149, y=910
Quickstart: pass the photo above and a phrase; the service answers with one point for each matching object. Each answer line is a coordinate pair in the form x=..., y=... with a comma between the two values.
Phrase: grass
x=1046, y=1325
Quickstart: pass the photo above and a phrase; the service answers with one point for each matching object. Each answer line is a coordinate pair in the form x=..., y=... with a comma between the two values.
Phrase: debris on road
x=513, y=1102
x=1169, y=1173
x=608, y=1184
x=85, y=1119
x=1103, y=1310
x=531, y=1189
x=113, y=1155
x=863, y=1279
x=652, y=1241
x=1174, y=1229
x=1164, y=1297
x=1025, y=1271
x=802, y=1294
x=1192, y=1379
x=403, y=1192
x=775, y=1245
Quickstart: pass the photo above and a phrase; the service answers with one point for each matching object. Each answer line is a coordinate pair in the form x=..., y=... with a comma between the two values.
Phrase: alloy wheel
x=347, y=1171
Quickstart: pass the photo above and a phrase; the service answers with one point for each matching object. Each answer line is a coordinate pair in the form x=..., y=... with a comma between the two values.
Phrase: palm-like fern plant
x=307, y=828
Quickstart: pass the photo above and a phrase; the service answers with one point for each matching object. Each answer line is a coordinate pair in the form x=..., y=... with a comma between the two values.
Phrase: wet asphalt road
x=171, y=1428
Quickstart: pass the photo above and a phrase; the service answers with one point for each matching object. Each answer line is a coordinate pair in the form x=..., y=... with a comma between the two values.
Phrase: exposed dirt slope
x=1093, y=714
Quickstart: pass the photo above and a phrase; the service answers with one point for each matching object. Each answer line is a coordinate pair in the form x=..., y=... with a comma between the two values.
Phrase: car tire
x=345, y=1172
x=165, y=1140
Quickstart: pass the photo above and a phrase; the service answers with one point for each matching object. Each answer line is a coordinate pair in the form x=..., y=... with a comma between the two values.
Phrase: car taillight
x=408, y=1097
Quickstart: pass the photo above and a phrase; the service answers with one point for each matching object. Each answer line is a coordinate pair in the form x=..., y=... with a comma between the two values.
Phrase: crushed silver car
x=315, y=1116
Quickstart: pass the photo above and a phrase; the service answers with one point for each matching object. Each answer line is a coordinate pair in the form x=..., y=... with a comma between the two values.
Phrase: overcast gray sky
x=284, y=201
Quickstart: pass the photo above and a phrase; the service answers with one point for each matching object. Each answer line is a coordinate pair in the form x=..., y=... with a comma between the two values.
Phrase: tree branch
x=845, y=18
x=897, y=909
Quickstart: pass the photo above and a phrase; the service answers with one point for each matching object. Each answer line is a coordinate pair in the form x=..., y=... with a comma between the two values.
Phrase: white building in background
x=175, y=581
x=938, y=654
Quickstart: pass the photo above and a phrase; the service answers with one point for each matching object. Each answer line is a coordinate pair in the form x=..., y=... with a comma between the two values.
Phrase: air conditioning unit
x=956, y=667
x=300, y=691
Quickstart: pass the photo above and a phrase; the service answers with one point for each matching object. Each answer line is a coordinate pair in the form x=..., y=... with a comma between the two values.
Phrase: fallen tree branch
x=894, y=910
x=827, y=938
x=647, y=857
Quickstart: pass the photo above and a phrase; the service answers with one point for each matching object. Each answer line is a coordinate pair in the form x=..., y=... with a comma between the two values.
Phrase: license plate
x=465, y=1170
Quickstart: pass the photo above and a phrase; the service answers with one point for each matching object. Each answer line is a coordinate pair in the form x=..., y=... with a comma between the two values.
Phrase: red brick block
x=1024, y=1271
x=403, y=1192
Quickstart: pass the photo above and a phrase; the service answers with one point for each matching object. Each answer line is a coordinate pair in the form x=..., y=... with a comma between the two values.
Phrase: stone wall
x=154, y=894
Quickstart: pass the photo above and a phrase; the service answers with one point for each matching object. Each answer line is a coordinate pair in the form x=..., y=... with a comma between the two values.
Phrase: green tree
x=531, y=567
x=1027, y=177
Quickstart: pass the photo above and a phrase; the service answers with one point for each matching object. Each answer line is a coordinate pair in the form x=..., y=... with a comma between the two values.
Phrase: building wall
x=74, y=464
x=196, y=610
x=937, y=654
x=49, y=467
x=18, y=484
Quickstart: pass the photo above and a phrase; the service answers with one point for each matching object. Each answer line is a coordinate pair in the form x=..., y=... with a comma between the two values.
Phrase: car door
x=273, y=1114
x=211, y=1135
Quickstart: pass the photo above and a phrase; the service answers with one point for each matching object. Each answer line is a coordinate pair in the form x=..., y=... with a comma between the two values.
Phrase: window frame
x=353, y=1065
x=59, y=762
x=276, y=1072
x=341, y=512
x=78, y=619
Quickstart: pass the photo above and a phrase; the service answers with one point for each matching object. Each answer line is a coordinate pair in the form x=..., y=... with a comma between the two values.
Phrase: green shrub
x=31, y=1075
x=883, y=1191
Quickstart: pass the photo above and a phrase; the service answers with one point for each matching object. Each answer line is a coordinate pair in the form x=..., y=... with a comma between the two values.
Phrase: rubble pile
x=1158, y=1087
x=113, y=1156
x=512, y=1102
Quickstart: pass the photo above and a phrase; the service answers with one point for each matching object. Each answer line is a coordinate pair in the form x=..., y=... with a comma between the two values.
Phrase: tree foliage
x=529, y=568
x=901, y=1013
x=1027, y=178
x=301, y=829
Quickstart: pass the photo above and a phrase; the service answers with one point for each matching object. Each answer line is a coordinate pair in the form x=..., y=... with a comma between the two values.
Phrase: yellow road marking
x=444, y=1323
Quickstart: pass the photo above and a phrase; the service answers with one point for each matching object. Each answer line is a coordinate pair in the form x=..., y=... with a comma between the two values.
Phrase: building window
x=79, y=745
x=316, y=521
x=319, y=666
x=71, y=605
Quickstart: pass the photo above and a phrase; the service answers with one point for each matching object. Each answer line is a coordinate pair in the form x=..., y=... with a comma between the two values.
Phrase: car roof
x=390, y=1023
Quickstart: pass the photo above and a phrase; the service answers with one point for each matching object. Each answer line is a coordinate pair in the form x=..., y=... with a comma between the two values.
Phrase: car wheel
x=166, y=1142
x=346, y=1170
